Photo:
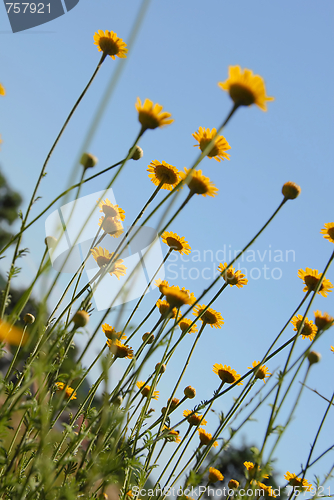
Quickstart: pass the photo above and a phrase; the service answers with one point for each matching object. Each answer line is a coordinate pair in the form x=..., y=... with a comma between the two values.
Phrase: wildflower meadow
x=166, y=297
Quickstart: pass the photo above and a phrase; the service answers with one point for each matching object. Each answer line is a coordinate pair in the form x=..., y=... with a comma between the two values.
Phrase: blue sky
x=182, y=50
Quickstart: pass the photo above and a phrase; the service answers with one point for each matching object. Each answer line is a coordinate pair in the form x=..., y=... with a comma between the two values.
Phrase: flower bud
x=137, y=153
x=189, y=392
x=160, y=367
x=80, y=319
x=233, y=484
x=150, y=337
x=88, y=161
x=118, y=400
x=290, y=190
x=50, y=241
x=313, y=357
x=29, y=319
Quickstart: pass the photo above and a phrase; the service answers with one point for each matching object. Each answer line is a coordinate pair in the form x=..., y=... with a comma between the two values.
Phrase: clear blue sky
x=182, y=50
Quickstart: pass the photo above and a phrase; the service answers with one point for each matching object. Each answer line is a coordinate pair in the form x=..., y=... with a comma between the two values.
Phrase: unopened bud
x=137, y=153
x=80, y=319
x=29, y=319
x=50, y=241
x=148, y=336
x=160, y=367
x=290, y=190
x=189, y=392
x=313, y=357
x=88, y=161
x=118, y=400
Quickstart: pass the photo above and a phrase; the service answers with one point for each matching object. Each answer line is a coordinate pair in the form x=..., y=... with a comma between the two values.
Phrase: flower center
x=213, y=151
x=330, y=232
x=226, y=376
x=311, y=282
x=108, y=46
x=109, y=211
x=210, y=318
x=197, y=186
x=173, y=243
x=165, y=174
x=241, y=95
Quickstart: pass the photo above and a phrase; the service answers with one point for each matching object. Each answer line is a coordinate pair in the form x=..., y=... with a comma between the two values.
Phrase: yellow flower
x=215, y=475
x=195, y=418
x=245, y=88
x=173, y=435
x=109, y=43
x=231, y=276
x=110, y=332
x=297, y=481
x=176, y=297
x=199, y=184
x=184, y=324
x=210, y=317
x=251, y=468
x=323, y=321
x=309, y=329
x=111, y=210
x=176, y=242
x=261, y=372
x=164, y=307
x=69, y=392
x=311, y=278
x=112, y=226
x=220, y=145
x=103, y=257
x=161, y=283
x=119, y=350
x=11, y=334
x=163, y=172
x=151, y=116
x=290, y=190
x=328, y=231
x=145, y=390
x=332, y=348
x=226, y=374
x=206, y=438
x=233, y=484
x=266, y=488
x=2, y=90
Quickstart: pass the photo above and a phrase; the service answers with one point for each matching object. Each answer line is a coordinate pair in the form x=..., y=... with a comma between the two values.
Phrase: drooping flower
x=323, y=321
x=198, y=183
x=176, y=297
x=290, y=190
x=194, y=418
x=215, y=475
x=112, y=226
x=162, y=172
x=206, y=438
x=295, y=481
x=184, y=324
x=245, y=88
x=120, y=350
x=309, y=329
x=328, y=231
x=261, y=372
x=145, y=390
x=110, y=44
x=311, y=278
x=210, y=317
x=164, y=308
x=226, y=374
x=217, y=151
x=103, y=257
x=2, y=90
x=151, y=116
x=176, y=242
x=231, y=276
x=110, y=332
x=111, y=210
x=69, y=392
